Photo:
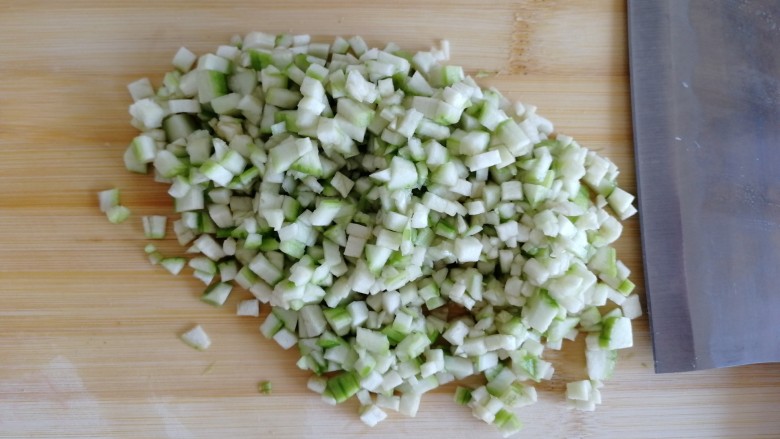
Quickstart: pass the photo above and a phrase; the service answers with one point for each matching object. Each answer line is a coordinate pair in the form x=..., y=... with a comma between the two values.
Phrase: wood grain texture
x=88, y=344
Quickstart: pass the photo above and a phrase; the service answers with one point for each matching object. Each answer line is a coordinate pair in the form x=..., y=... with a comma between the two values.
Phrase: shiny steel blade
x=705, y=87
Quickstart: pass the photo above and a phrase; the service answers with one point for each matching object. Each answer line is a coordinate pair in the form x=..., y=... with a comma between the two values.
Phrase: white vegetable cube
x=409, y=122
x=326, y=212
x=511, y=191
x=342, y=184
x=536, y=272
x=600, y=363
x=427, y=369
x=491, y=117
x=391, y=380
x=301, y=273
x=361, y=279
x=173, y=265
x=420, y=216
x=154, y=226
x=403, y=322
x=359, y=230
x=508, y=231
x=620, y=200
x=209, y=247
x=459, y=367
x=615, y=297
x=484, y=160
x=579, y=390
x=330, y=134
x=354, y=246
x=213, y=62
x=391, y=301
x=267, y=271
x=359, y=89
x=233, y=162
x=317, y=384
x=547, y=221
x=565, y=286
x=216, y=294
x=403, y=174
x=250, y=308
x=148, y=112
x=475, y=207
x=446, y=174
x=596, y=170
x=274, y=218
x=435, y=356
x=221, y=215
x=436, y=153
x=184, y=106
x=472, y=347
x=108, y=199
x=456, y=333
x=385, y=87
x=462, y=187
x=144, y=148
x=282, y=156
x=197, y=338
x=395, y=221
x=372, y=415
x=540, y=311
x=486, y=361
x=285, y=338
x=372, y=341
x=616, y=333
x=515, y=139
x=140, y=89
x=391, y=402
x=474, y=143
x=500, y=341
x=389, y=239
x=372, y=381
x=312, y=105
x=632, y=308
x=410, y=404
x=467, y=249
x=216, y=173
x=484, y=414
x=358, y=312
x=435, y=202
x=184, y=59
x=376, y=257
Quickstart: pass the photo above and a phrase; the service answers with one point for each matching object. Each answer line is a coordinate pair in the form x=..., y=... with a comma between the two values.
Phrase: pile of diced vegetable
x=407, y=227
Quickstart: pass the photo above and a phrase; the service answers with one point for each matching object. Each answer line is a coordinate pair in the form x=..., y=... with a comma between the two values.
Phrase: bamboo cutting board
x=88, y=344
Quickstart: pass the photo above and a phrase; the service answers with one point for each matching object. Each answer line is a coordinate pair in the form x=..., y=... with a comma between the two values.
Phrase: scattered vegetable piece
x=109, y=203
x=154, y=226
x=197, y=338
x=108, y=199
x=265, y=387
x=118, y=214
x=249, y=307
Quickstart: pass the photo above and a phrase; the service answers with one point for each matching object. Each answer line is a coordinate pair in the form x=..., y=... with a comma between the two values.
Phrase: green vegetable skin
x=359, y=192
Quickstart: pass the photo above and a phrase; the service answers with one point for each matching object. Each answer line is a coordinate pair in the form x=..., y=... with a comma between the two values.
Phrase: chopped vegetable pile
x=407, y=227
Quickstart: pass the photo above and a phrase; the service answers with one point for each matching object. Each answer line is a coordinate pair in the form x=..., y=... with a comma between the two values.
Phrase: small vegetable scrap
x=407, y=227
x=197, y=338
x=265, y=387
x=109, y=204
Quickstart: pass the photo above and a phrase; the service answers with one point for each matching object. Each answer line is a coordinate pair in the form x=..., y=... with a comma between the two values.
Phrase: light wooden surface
x=88, y=344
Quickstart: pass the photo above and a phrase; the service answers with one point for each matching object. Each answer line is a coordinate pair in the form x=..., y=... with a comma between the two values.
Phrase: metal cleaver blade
x=705, y=90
